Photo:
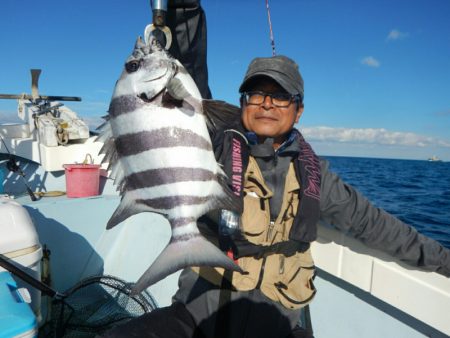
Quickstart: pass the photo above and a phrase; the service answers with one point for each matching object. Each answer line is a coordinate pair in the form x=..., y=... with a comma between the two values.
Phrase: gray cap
x=280, y=68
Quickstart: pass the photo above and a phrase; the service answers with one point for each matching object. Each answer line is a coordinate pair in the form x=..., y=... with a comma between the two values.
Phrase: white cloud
x=371, y=136
x=370, y=61
x=396, y=35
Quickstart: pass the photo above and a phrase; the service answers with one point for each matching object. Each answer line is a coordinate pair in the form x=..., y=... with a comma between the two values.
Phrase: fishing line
x=272, y=40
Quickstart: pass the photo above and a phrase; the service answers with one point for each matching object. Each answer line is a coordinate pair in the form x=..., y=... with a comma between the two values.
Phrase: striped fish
x=160, y=154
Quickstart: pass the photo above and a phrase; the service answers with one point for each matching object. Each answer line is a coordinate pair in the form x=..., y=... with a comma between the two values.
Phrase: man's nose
x=267, y=103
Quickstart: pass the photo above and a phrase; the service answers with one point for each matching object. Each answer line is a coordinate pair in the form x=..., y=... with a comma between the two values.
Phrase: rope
x=54, y=193
x=272, y=40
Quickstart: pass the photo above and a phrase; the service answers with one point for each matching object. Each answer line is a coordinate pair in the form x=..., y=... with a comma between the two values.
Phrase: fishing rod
x=272, y=39
x=14, y=167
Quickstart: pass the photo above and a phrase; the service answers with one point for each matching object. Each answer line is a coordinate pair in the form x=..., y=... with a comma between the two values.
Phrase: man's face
x=267, y=120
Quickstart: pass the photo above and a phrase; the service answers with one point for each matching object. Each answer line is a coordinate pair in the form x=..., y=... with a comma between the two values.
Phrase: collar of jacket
x=307, y=169
x=252, y=139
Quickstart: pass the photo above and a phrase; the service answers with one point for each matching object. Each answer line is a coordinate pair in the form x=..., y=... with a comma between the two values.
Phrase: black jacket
x=345, y=208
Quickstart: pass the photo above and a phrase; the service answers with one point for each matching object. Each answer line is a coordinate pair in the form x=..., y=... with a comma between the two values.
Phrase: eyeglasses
x=281, y=100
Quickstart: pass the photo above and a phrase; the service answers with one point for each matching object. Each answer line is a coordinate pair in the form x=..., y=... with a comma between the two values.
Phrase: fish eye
x=132, y=66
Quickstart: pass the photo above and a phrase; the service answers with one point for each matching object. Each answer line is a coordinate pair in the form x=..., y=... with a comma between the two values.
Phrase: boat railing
x=421, y=294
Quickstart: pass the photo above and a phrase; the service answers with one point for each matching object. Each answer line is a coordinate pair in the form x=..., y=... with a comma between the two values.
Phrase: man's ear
x=299, y=113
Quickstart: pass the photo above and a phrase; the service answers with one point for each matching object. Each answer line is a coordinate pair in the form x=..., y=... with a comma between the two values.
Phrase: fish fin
x=127, y=208
x=176, y=89
x=110, y=154
x=118, y=174
x=196, y=251
x=104, y=130
x=178, y=92
x=139, y=43
x=220, y=115
x=106, y=136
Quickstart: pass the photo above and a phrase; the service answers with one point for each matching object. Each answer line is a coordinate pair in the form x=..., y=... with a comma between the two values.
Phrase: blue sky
x=377, y=73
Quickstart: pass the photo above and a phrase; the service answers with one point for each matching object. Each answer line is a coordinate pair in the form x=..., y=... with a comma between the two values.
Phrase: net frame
x=93, y=306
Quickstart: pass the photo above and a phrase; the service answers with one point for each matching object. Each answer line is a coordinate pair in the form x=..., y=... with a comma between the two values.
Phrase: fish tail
x=179, y=254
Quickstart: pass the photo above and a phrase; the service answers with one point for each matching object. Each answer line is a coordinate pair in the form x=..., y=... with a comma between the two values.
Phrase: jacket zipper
x=263, y=264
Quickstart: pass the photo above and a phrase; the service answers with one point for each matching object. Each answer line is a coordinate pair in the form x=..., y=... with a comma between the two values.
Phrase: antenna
x=34, y=83
x=272, y=39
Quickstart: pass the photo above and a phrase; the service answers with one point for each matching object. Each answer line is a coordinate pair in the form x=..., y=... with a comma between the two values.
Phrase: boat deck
x=383, y=299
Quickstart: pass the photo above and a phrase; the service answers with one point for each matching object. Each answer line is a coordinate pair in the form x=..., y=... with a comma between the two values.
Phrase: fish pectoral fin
x=178, y=92
x=195, y=251
x=160, y=77
x=176, y=89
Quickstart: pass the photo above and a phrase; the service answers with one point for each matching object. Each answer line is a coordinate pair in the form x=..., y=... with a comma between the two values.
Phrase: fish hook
x=159, y=10
x=166, y=30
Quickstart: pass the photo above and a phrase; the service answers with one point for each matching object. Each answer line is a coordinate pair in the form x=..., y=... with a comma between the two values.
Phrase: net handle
x=4, y=263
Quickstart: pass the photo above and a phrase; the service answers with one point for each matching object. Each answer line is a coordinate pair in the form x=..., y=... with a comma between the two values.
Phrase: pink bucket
x=82, y=180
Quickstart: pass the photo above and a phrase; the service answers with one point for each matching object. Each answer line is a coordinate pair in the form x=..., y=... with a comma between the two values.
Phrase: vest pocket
x=254, y=218
x=295, y=288
x=297, y=294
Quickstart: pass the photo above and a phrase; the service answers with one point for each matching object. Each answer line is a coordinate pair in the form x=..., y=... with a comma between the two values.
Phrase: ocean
x=416, y=192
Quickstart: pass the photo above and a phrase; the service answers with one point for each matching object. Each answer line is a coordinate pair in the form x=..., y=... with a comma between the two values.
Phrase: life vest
x=287, y=280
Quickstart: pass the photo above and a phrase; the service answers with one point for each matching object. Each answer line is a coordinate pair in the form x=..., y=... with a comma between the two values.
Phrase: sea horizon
x=415, y=191
x=384, y=158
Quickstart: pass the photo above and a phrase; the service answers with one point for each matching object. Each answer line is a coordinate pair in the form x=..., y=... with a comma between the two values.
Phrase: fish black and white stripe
x=161, y=176
x=132, y=144
x=163, y=160
x=124, y=104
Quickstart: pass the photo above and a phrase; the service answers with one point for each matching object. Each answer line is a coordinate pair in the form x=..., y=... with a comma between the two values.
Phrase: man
x=286, y=191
